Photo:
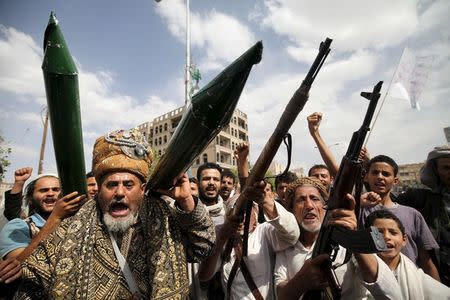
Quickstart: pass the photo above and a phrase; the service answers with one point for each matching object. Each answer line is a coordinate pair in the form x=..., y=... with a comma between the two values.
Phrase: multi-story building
x=220, y=150
x=409, y=176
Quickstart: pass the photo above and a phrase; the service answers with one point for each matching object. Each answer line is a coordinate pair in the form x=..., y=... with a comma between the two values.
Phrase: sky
x=130, y=57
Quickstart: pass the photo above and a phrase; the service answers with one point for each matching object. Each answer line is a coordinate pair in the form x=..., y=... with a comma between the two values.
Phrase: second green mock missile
x=210, y=110
x=63, y=100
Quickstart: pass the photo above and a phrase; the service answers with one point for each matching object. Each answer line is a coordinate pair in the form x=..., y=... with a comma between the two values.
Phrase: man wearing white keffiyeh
x=209, y=179
x=413, y=282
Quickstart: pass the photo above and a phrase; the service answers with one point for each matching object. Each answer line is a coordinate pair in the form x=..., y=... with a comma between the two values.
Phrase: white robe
x=272, y=236
x=415, y=284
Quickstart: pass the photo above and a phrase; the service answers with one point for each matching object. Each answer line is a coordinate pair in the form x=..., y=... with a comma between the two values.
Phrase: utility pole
x=187, y=86
x=44, y=138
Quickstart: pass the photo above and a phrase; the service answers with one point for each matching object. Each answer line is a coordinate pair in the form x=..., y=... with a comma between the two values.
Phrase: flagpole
x=384, y=98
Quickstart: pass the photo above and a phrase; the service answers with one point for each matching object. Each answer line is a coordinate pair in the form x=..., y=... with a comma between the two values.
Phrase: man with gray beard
x=124, y=244
x=365, y=276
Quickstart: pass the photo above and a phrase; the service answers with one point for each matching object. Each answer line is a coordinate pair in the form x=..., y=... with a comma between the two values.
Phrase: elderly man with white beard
x=365, y=276
x=125, y=244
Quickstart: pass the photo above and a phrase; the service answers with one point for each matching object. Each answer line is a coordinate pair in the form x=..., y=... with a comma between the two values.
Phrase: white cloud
x=23, y=151
x=102, y=108
x=20, y=61
x=222, y=37
x=436, y=17
x=353, y=25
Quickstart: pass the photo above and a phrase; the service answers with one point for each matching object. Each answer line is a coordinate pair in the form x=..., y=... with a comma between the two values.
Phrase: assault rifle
x=330, y=237
x=294, y=107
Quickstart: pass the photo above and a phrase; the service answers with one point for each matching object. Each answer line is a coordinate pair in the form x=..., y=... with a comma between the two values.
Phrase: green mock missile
x=63, y=100
x=209, y=112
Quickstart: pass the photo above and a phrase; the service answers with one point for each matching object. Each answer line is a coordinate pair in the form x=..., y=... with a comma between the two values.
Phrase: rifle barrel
x=293, y=108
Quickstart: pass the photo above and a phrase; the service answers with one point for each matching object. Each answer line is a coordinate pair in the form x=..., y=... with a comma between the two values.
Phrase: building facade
x=160, y=130
x=409, y=176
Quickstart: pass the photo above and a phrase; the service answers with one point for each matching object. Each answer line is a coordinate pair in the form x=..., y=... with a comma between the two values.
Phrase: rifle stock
x=330, y=237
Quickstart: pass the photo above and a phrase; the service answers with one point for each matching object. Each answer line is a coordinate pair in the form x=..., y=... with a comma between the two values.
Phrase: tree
x=4, y=161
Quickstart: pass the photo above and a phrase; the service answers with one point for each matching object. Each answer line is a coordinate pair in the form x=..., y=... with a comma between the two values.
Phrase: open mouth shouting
x=310, y=218
x=119, y=209
x=210, y=190
x=379, y=186
x=49, y=202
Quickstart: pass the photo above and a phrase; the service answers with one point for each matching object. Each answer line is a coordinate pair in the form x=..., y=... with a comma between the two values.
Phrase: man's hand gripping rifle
x=330, y=237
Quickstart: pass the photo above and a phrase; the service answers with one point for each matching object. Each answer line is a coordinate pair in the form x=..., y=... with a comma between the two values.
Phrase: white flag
x=410, y=77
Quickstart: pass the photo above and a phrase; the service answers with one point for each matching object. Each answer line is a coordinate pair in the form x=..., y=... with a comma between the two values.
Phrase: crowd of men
x=122, y=241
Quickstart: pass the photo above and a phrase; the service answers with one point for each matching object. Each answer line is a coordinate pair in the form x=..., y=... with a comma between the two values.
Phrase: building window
x=232, y=146
x=165, y=126
x=159, y=152
x=198, y=161
x=165, y=139
x=156, y=142
x=222, y=159
x=160, y=128
x=156, y=130
x=160, y=140
x=205, y=158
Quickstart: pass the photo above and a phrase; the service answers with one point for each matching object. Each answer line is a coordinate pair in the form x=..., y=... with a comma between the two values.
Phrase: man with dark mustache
x=19, y=237
x=209, y=178
x=124, y=244
x=227, y=184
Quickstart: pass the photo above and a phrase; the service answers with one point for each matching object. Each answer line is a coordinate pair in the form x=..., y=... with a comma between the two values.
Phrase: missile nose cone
x=210, y=110
x=52, y=20
x=57, y=58
x=258, y=48
x=213, y=105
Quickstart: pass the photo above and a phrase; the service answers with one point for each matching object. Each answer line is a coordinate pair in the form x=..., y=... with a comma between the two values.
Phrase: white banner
x=410, y=77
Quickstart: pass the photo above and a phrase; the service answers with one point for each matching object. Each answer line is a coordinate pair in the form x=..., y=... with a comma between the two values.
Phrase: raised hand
x=20, y=176
x=345, y=217
x=181, y=193
x=370, y=199
x=68, y=205
x=314, y=122
x=241, y=152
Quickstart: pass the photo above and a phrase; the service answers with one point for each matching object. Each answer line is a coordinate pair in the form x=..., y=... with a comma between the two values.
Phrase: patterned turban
x=304, y=181
x=122, y=150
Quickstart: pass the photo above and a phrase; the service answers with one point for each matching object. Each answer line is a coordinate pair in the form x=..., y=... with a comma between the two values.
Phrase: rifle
x=293, y=108
x=368, y=240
